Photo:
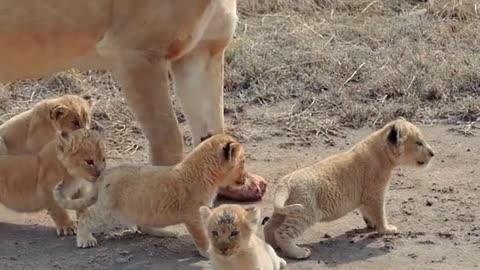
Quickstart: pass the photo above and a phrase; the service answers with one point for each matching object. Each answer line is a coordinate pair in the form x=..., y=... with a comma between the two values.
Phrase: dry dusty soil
x=436, y=209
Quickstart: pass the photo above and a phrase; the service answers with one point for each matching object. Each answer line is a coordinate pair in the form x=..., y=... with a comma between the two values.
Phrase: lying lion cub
x=159, y=196
x=29, y=131
x=234, y=243
x=333, y=187
x=27, y=181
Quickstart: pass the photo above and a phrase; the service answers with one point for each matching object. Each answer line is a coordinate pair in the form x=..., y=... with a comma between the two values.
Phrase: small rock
x=412, y=255
x=327, y=236
x=429, y=203
x=426, y=242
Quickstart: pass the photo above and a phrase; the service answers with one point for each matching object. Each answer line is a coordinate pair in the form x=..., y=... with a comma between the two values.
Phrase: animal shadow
x=32, y=247
x=353, y=245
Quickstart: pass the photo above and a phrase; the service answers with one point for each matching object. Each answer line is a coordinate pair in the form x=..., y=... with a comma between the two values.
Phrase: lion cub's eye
x=419, y=143
x=89, y=162
x=234, y=234
x=215, y=233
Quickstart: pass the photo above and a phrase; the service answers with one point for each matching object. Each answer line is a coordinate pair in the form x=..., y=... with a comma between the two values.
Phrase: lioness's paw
x=389, y=229
x=67, y=229
x=86, y=242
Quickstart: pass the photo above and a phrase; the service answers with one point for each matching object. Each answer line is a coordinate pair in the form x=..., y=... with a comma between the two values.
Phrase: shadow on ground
x=346, y=248
x=38, y=247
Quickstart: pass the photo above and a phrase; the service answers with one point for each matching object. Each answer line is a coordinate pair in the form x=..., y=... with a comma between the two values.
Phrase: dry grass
x=330, y=63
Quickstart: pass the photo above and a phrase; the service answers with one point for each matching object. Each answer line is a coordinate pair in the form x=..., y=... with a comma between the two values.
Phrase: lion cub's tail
x=281, y=196
x=74, y=204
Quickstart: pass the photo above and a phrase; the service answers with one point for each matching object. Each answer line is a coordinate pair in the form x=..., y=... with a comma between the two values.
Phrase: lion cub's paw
x=89, y=241
x=389, y=229
x=300, y=253
x=283, y=263
x=68, y=229
x=204, y=254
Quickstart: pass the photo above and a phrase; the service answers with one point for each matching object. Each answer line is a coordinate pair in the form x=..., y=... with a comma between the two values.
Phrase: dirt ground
x=436, y=210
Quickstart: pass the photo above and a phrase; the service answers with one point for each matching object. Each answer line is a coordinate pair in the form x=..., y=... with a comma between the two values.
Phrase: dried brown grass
x=329, y=63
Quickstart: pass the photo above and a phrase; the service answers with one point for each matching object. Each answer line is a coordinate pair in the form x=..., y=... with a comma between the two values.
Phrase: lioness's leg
x=198, y=79
x=199, y=234
x=289, y=230
x=145, y=85
x=374, y=208
x=3, y=147
x=63, y=223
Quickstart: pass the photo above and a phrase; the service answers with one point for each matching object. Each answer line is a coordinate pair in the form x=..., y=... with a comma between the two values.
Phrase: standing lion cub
x=27, y=181
x=234, y=244
x=335, y=186
x=30, y=130
x=159, y=196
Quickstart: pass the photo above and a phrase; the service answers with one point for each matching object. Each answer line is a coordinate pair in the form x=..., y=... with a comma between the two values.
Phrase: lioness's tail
x=74, y=204
x=281, y=196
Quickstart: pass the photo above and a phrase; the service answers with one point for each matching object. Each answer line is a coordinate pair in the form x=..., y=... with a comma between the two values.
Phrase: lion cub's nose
x=223, y=249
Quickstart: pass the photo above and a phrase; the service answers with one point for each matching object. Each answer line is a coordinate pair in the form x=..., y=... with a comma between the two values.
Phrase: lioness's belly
x=31, y=57
x=41, y=37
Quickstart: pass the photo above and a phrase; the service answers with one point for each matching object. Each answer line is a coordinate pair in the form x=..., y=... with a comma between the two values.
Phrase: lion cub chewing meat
x=30, y=130
x=159, y=196
x=27, y=181
x=335, y=186
x=234, y=244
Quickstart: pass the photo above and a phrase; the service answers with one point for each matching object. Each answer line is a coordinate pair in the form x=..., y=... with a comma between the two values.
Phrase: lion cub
x=159, y=196
x=29, y=131
x=234, y=244
x=335, y=186
x=27, y=181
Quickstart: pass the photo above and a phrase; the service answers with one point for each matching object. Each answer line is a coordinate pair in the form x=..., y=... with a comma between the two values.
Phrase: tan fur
x=27, y=181
x=30, y=131
x=159, y=196
x=234, y=244
x=141, y=42
x=335, y=186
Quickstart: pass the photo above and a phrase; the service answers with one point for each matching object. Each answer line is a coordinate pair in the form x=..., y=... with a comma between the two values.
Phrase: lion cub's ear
x=394, y=135
x=90, y=100
x=58, y=112
x=253, y=216
x=231, y=151
x=62, y=140
x=205, y=213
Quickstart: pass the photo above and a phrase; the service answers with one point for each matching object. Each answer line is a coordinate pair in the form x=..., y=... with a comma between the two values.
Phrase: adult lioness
x=331, y=188
x=140, y=41
x=31, y=130
x=159, y=196
x=27, y=181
